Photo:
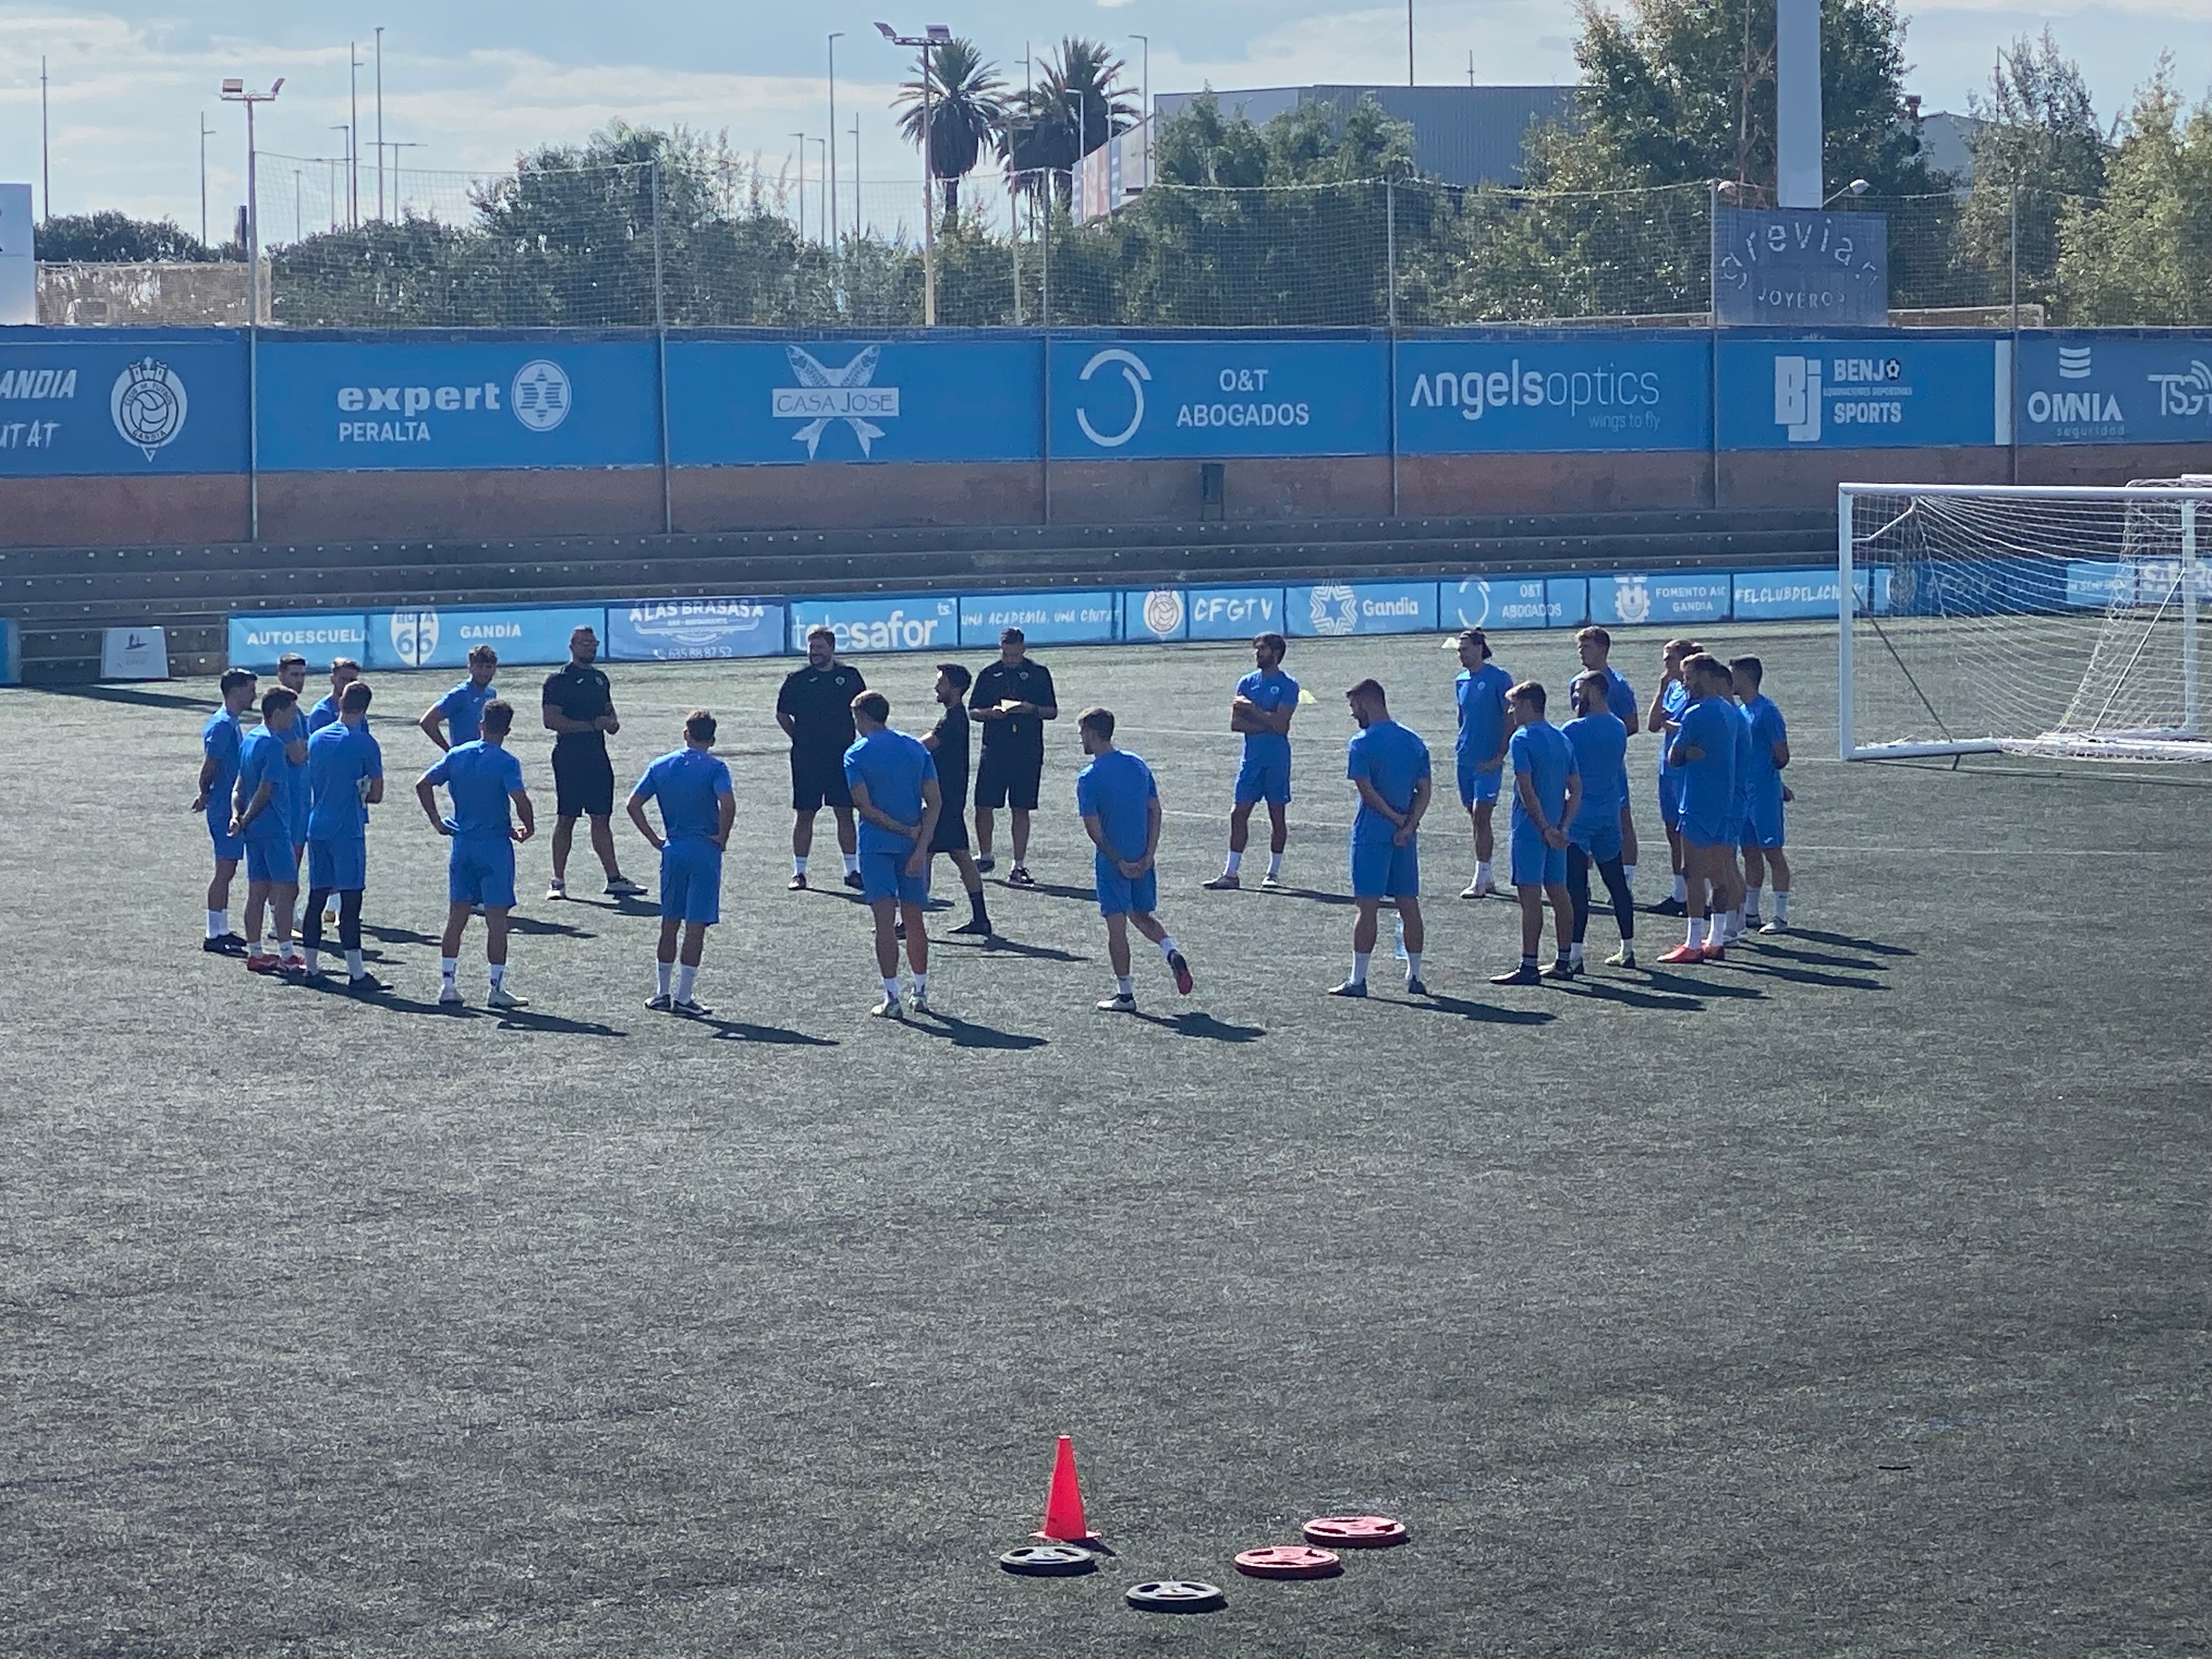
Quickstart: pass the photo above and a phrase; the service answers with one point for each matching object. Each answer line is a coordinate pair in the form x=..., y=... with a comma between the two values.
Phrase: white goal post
x=1973, y=619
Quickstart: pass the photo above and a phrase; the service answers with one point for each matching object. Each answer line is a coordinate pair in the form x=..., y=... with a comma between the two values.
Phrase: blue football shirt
x=1392, y=759
x=338, y=758
x=1676, y=699
x=1481, y=693
x=221, y=740
x=1767, y=729
x=1714, y=726
x=1620, y=698
x=1600, y=747
x=261, y=760
x=894, y=767
x=481, y=777
x=324, y=714
x=1269, y=693
x=463, y=708
x=1539, y=752
x=1116, y=788
x=1743, y=748
x=690, y=784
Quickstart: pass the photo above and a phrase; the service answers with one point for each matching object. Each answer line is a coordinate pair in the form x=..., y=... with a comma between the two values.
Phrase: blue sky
x=473, y=84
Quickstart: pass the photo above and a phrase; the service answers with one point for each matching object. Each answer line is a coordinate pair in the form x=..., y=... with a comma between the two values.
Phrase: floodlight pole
x=935, y=33
x=1409, y=42
x=380, y=123
x=45, y=161
x=832, y=179
x=205, y=131
x=235, y=92
x=802, y=184
x=353, y=142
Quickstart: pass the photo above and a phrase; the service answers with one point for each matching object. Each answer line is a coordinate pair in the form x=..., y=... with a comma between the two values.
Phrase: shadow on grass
x=1310, y=894
x=1767, y=945
x=1195, y=1024
x=1483, y=1013
x=1805, y=976
x=531, y=928
x=966, y=1033
x=525, y=1019
x=1054, y=890
x=1607, y=990
x=136, y=699
x=1681, y=987
x=1847, y=942
x=397, y=935
x=738, y=1030
x=1000, y=946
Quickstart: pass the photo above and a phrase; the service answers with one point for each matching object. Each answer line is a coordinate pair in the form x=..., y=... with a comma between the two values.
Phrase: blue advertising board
x=443, y=639
x=763, y=403
x=11, y=651
x=1874, y=392
x=2111, y=387
x=693, y=630
x=1045, y=619
x=1530, y=394
x=388, y=404
x=1147, y=400
x=913, y=621
x=1493, y=602
x=1234, y=613
x=258, y=638
x=1801, y=268
x=1157, y=614
x=1782, y=595
x=1679, y=596
x=98, y=403
x=1329, y=611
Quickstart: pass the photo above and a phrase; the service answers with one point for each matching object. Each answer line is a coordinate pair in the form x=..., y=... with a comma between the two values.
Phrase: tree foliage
x=115, y=238
x=2141, y=253
x=2041, y=147
x=965, y=105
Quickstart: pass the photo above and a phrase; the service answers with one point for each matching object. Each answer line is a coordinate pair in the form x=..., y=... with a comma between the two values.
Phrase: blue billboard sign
x=1234, y=613
x=1536, y=394
x=1493, y=602
x=1875, y=392
x=1330, y=610
x=1139, y=399
x=761, y=403
x=385, y=403
x=693, y=630
x=1801, y=268
x=11, y=651
x=121, y=403
x=1157, y=614
x=443, y=639
x=258, y=640
x=1045, y=619
x=2108, y=387
x=1681, y=596
x=1781, y=595
x=913, y=621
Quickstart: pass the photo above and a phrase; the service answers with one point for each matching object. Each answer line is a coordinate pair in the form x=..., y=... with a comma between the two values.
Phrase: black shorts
x=583, y=783
x=1008, y=780
x=950, y=834
x=818, y=781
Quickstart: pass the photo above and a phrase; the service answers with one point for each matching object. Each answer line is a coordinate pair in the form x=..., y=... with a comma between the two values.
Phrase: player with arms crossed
x=1595, y=645
x=1389, y=765
x=262, y=817
x=1548, y=797
x=815, y=709
x=578, y=707
x=1265, y=701
x=1013, y=696
x=222, y=740
x=1121, y=808
x=460, y=711
x=697, y=808
x=1480, y=749
x=292, y=675
x=1704, y=755
x=1600, y=740
x=893, y=783
x=345, y=774
x=947, y=743
x=484, y=780
x=1664, y=717
x=1763, y=796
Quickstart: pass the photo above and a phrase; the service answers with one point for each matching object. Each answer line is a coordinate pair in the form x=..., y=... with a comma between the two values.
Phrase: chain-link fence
x=645, y=246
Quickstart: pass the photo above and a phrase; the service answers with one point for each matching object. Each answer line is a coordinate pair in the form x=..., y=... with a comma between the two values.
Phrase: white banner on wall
x=19, y=269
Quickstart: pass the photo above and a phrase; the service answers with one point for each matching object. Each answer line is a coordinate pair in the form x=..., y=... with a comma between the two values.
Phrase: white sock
x=218, y=923
x=1275, y=864
x=921, y=986
x=1482, y=872
x=1628, y=874
x=1681, y=889
x=1412, y=964
x=890, y=990
x=1236, y=863
x=498, y=973
x=1751, y=902
x=663, y=974
x=1574, y=953
x=354, y=968
x=448, y=967
x=852, y=864
x=1360, y=966
x=311, y=960
x=1697, y=937
x=1124, y=986
x=1167, y=945
x=1782, y=904
x=292, y=950
x=686, y=977
x=798, y=865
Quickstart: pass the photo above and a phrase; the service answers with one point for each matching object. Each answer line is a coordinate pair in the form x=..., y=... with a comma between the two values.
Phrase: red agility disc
x=1289, y=1561
x=1355, y=1532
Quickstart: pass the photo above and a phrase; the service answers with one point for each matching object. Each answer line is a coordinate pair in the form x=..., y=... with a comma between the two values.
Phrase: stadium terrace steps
x=62, y=597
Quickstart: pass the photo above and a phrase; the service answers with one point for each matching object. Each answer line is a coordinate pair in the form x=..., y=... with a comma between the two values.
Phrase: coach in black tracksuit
x=1011, y=700
x=815, y=709
x=579, y=709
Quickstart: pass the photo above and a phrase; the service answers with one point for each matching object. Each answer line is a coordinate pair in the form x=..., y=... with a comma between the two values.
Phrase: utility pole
x=802, y=183
x=821, y=199
x=205, y=131
x=832, y=180
x=45, y=162
x=857, y=228
x=235, y=92
x=1409, y=42
x=353, y=138
x=379, y=122
x=935, y=34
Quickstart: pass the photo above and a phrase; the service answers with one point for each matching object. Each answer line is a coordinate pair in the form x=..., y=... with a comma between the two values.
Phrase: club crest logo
x=415, y=637
x=148, y=405
x=1134, y=374
x=1632, y=599
x=1163, y=612
x=541, y=395
x=825, y=394
x=1334, y=611
x=1473, y=603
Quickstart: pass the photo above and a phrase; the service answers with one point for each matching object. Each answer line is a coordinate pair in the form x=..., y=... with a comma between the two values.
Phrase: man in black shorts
x=1013, y=698
x=948, y=747
x=579, y=708
x=815, y=709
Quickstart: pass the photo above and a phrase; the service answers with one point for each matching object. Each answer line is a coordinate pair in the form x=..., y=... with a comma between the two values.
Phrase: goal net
x=2034, y=621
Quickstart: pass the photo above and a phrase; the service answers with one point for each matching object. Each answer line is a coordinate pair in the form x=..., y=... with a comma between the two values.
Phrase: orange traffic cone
x=1063, y=1504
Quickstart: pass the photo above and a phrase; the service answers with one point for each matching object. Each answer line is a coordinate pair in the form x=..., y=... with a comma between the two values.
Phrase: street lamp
x=1145, y=123
x=832, y=180
x=935, y=34
x=1857, y=188
x=802, y=183
x=235, y=92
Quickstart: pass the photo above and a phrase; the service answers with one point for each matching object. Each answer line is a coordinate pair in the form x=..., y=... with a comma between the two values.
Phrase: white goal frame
x=2192, y=494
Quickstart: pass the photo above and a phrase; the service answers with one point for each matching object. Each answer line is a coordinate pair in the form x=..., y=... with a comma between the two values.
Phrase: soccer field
x=1848, y=1297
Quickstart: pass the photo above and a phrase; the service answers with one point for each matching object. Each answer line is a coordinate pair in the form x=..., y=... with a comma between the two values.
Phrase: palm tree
x=1075, y=108
x=966, y=112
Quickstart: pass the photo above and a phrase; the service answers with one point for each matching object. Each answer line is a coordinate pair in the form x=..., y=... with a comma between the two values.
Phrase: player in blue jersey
x=261, y=815
x=345, y=774
x=893, y=783
x=485, y=781
x=1599, y=737
x=1664, y=718
x=344, y=670
x=1389, y=765
x=460, y=711
x=1595, y=645
x=221, y=740
x=1265, y=701
x=697, y=808
x=1479, y=749
x=1763, y=794
x=1704, y=753
x=1725, y=927
x=1121, y=808
x=1547, y=794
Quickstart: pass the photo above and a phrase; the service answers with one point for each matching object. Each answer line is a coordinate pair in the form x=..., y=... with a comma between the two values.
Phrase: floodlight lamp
x=233, y=87
x=939, y=35
x=887, y=31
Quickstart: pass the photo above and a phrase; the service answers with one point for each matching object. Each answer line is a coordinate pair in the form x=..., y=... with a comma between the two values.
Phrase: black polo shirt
x=820, y=703
x=1029, y=681
x=951, y=758
x=580, y=692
